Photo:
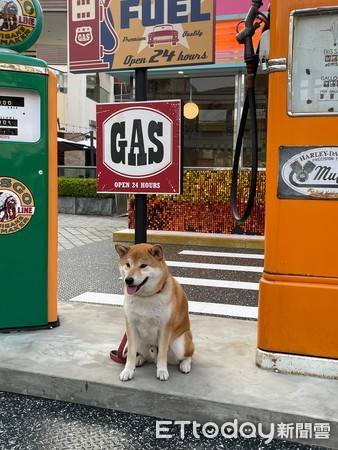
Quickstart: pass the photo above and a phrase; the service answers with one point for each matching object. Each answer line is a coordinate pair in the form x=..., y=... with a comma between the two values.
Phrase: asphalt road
x=28, y=423
x=94, y=268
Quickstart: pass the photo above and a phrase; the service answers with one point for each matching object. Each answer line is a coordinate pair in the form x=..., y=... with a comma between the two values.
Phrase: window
x=62, y=81
x=208, y=139
x=122, y=91
x=94, y=91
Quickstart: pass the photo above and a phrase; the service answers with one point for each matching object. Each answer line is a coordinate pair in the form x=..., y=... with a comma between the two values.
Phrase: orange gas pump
x=298, y=293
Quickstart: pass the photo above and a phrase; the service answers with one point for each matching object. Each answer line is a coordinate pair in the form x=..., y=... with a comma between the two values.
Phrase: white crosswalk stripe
x=218, y=283
x=203, y=307
x=196, y=265
x=221, y=254
x=194, y=307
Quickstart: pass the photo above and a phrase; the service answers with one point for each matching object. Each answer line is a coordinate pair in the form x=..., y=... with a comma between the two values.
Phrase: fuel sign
x=131, y=34
x=139, y=147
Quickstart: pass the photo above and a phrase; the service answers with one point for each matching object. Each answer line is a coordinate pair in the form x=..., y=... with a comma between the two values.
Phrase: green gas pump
x=28, y=174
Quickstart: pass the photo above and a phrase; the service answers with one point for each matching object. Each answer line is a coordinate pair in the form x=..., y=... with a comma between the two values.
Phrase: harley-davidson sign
x=139, y=147
x=308, y=172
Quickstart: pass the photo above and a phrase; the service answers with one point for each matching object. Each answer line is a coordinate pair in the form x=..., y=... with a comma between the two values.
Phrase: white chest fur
x=148, y=315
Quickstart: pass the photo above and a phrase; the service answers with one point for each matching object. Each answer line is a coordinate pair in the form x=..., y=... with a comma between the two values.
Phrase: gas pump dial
x=19, y=109
x=313, y=79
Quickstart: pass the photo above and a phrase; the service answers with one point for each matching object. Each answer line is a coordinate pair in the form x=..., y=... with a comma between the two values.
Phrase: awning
x=67, y=145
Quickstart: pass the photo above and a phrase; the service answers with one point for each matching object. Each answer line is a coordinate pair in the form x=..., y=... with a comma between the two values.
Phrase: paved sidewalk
x=72, y=363
x=76, y=230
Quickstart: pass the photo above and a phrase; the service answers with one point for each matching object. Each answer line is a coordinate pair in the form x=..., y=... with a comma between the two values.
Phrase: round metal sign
x=20, y=24
x=16, y=205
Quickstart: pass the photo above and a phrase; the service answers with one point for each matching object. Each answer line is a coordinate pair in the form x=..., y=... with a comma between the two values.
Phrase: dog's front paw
x=162, y=374
x=140, y=360
x=126, y=374
x=185, y=365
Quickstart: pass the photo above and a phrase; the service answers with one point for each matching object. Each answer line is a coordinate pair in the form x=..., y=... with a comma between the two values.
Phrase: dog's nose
x=129, y=280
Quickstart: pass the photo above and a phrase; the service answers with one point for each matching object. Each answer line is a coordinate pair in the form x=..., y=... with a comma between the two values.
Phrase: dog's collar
x=158, y=292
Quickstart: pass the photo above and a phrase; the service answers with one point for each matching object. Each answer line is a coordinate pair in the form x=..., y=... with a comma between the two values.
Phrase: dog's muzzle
x=133, y=288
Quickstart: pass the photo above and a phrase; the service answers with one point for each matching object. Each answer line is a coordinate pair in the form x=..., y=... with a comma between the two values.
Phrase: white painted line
x=222, y=254
x=218, y=283
x=195, y=265
x=249, y=312
x=99, y=298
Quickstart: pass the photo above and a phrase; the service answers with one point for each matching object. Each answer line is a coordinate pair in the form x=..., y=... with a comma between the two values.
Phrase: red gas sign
x=139, y=147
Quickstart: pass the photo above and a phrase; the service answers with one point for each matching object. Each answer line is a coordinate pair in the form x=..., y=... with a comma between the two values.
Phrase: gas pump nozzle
x=245, y=37
x=250, y=26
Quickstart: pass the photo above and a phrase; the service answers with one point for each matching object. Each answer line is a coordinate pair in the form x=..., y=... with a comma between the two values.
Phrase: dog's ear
x=122, y=249
x=157, y=252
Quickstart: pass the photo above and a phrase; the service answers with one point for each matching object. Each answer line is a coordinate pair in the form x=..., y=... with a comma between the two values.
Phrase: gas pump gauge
x=19, y=115
x=313, y=68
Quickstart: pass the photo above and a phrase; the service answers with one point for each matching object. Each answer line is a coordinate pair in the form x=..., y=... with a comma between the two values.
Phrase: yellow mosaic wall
x=204, y=206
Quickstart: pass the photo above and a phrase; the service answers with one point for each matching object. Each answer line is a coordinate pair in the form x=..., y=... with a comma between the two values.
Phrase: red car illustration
x=162, y=34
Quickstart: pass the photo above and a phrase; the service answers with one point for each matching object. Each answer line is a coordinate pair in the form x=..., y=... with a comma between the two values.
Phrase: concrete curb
x=72, y=363
x=190, y=238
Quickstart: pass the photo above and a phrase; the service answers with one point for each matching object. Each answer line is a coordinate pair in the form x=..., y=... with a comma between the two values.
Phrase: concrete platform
x=72, y=363
x=192, y=238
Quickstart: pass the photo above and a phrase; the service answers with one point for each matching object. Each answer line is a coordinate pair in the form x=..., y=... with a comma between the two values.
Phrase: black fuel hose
x=251, y=59
x=249, y=105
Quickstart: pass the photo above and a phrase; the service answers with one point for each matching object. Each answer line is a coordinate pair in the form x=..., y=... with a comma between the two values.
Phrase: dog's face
x=142, y=268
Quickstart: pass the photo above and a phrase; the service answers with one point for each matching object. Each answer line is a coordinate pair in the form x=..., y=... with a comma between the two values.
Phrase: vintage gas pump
x=89, y=20
x=28, y=175
x=298, y=295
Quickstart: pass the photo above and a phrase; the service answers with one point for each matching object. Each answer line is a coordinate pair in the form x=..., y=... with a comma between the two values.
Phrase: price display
x=12, y=101
x=8, y=122
x=20, y=115
x=8, y=131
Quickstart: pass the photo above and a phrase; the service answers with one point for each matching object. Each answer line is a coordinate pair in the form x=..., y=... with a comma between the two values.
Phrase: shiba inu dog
x=156, y=312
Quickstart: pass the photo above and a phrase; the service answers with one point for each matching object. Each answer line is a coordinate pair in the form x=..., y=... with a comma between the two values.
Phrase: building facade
x=209, y=139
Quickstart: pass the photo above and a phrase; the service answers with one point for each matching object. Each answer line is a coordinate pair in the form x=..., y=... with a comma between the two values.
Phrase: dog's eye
x=143, y=266
x=127, y=264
